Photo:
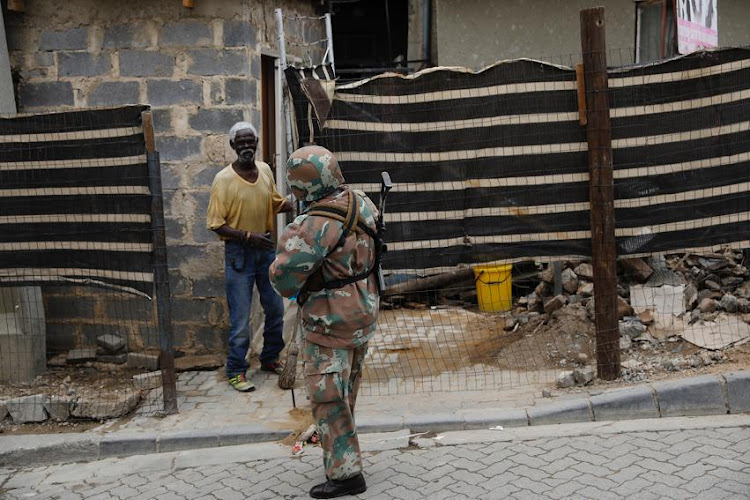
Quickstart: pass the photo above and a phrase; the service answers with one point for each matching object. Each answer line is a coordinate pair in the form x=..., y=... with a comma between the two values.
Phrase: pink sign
x=697, y=25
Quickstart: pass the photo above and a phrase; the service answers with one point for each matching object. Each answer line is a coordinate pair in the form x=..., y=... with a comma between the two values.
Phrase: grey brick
x=564, y=412
x=129, y=308
x=209, y=62
x=146, y=63
x=209, y=287
x=211, y=338
x=168, y=92
x=205, y=177
x=238, y=34
x=201, y=234
x=633, y=402
x=143, y=360
x=178, y=284
x=186, y=33
x=185, y=310
x=61, y=337
x=215, y=120
x=162, y=123
x=255, y=67
x=217, y=92
x=241, y=91
x=738, y=391
x=115, y=94
x=175, y=228
x=92, y=331
x=68, y=307
x=178, y=148
x=114, y=445
x=692, y=396
x=73, y=39
x=44, y=59
x=83, y=64
x=123, y=36
x=46, y=94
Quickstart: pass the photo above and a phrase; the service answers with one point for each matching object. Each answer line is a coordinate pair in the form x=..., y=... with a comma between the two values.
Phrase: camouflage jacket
x=341, y=318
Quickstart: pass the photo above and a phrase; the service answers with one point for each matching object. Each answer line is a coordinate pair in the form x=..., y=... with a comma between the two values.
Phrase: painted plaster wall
x=477, y=33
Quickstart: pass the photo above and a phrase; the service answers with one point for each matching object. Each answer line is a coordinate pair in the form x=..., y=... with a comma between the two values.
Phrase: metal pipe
x=329, y=36
x=427, y=30
x=280, y=153
x=282, y=52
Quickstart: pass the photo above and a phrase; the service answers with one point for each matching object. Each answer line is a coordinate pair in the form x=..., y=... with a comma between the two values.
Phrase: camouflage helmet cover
x=312, y=173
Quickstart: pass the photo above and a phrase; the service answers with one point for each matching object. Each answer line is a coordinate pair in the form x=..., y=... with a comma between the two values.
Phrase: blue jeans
x=245, y=266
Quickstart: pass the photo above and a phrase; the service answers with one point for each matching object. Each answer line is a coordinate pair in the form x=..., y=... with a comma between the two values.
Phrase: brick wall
x=200, y=70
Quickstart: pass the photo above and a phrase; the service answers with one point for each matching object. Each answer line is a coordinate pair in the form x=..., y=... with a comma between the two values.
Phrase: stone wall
x=200, y=69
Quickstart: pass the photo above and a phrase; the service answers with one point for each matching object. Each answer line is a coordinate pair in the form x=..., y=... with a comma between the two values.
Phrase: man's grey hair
x=241, y=126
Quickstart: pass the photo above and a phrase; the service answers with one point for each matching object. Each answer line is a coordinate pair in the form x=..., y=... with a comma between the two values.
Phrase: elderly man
x=241, y=211
x=327, y=257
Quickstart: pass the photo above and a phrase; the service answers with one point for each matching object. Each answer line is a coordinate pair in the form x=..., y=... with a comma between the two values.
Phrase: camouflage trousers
x=332, y=377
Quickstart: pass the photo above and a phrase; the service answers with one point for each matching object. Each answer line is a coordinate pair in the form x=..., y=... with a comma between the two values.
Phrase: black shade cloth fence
x=75, y=203
x=492, y=165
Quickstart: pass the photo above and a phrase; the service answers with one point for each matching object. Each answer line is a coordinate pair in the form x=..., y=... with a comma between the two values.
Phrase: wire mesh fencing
x=489, y=223
x=78, y=321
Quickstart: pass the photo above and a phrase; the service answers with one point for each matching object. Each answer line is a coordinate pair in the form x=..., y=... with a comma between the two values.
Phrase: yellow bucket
x=493, y=287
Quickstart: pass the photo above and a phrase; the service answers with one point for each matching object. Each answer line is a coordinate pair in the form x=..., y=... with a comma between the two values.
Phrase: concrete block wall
x=200, y=69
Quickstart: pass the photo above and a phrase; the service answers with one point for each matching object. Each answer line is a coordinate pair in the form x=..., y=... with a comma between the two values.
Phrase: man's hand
x=259, y=240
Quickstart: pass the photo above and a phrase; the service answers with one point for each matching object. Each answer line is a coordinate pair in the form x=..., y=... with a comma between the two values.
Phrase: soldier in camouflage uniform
x=338, y=317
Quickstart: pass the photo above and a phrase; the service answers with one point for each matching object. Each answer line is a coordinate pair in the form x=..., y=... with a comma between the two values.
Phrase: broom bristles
x=289, y=374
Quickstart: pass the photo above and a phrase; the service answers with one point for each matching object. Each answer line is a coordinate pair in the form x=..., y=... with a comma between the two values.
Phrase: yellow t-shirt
x=245, y=205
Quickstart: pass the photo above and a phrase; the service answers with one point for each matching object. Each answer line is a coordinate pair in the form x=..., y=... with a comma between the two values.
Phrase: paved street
x=678, y=458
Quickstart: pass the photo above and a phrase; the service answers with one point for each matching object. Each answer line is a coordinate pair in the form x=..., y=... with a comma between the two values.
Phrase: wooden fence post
x=161, y=276
x=601, y=192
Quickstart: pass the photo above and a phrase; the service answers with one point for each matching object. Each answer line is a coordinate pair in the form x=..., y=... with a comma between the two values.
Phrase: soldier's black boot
x=333, y=488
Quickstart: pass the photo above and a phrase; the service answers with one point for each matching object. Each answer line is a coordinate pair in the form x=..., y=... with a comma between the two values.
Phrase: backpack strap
x=350, y=219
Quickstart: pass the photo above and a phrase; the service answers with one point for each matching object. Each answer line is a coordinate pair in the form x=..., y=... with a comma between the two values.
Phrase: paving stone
x=111, y=343
x=143, y=360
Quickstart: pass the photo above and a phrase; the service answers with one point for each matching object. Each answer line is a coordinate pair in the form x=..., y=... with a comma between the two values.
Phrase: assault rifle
x=380, y=246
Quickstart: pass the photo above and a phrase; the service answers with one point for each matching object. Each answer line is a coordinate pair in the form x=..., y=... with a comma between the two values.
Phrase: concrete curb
x=718, y=394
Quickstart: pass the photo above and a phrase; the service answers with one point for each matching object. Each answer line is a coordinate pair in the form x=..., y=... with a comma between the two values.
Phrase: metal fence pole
x=601, y=191
x=161, y=275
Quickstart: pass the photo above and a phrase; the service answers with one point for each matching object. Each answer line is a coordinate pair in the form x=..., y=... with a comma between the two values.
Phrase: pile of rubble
x=662, y=302
x=82, y=394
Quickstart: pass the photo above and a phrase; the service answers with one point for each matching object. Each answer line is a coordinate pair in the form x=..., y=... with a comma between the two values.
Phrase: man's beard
x=246, y=154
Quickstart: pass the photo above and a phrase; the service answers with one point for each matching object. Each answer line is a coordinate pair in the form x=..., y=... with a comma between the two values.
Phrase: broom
x=289, y=374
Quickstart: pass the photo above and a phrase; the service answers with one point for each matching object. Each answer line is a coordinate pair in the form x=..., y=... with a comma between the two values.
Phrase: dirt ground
x=439, y=343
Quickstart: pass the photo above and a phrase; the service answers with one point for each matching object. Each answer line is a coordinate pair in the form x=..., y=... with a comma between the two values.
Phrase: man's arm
x=259, y=240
